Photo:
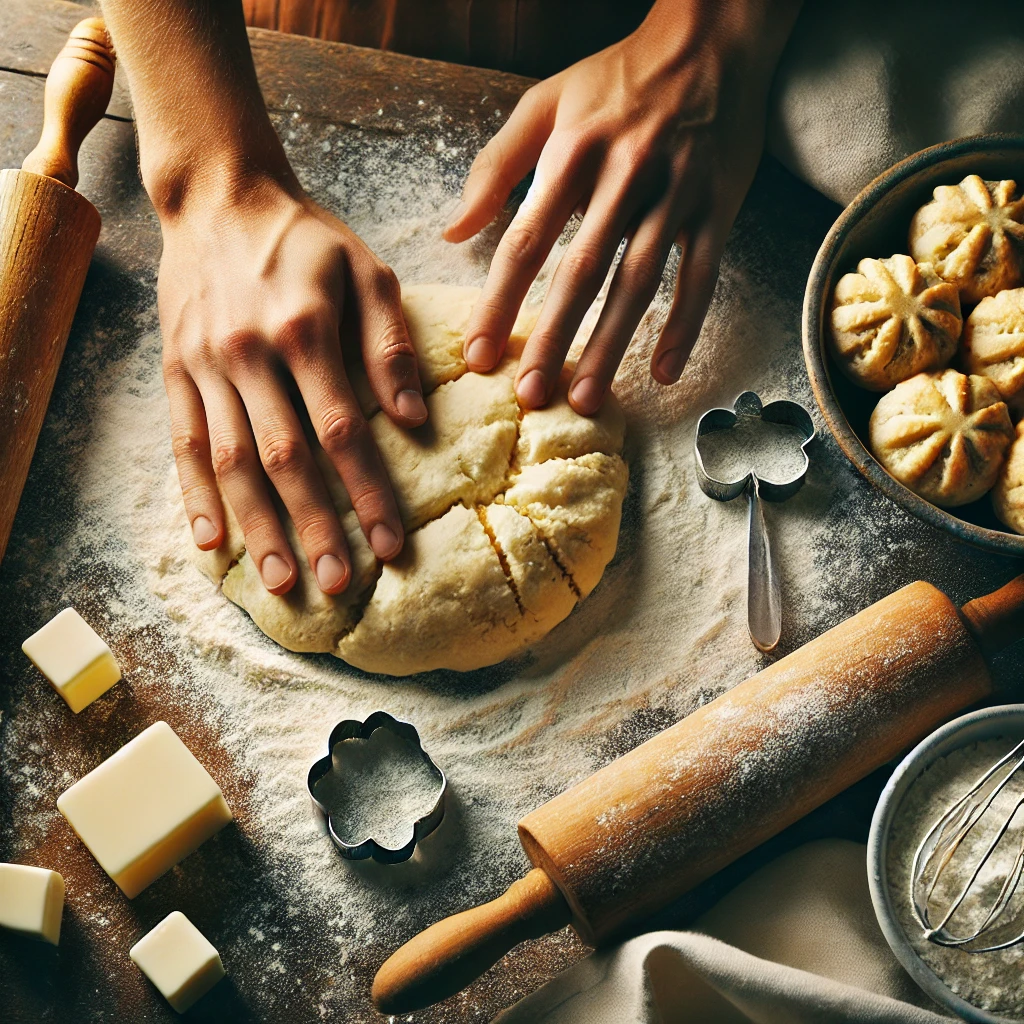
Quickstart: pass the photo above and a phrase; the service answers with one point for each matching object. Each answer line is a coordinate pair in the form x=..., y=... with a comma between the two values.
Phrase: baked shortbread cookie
x=892, y=319
x=974, y=235
x=510, y=518
x=1008, y=493
x=993, y=344
x=945, y=435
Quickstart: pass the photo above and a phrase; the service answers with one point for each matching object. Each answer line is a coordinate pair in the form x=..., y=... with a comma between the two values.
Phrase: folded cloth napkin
x=864, y=83
x=796, y=942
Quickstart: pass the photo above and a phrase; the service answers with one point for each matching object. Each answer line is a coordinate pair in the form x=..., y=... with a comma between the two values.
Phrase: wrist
x=180, y=179
x=749, y=35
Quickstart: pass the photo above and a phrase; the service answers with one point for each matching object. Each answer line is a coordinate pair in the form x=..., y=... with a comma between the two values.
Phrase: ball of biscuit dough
x=973, y=233
x=945, y=435
x=892, y=319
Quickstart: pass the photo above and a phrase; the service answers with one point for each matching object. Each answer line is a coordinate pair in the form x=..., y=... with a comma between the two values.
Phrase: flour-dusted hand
x=655, y=140
x=258, y=287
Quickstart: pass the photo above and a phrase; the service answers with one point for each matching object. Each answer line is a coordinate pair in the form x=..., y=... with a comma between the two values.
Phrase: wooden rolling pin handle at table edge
x=48, y=232
x=913, y=655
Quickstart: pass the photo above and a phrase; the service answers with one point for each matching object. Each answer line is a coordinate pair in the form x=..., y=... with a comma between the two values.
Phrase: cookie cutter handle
x=764, y=594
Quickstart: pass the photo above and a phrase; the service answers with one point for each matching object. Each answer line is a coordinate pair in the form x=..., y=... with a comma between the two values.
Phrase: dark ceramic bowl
x=876, y=224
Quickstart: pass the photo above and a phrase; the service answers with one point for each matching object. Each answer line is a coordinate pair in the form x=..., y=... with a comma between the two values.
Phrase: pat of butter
x=145, y=808
x=78, y=664
x=31, y=901
x=179, y=960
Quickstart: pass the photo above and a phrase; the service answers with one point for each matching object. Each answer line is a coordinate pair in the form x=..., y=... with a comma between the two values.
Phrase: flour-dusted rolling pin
x=47, y=236
x=657, y=821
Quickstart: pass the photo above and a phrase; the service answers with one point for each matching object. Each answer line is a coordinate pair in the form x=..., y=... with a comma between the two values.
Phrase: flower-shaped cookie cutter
x=371, y=847
x=764, y=598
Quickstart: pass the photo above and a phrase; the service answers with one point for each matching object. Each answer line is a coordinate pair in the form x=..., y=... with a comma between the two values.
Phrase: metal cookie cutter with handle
x=764, y=600
x=370, y=846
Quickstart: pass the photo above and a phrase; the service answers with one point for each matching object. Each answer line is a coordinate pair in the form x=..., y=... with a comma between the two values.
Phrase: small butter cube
x=179, y=960
x=31, y=901
x=145, y=808
x=79, y=665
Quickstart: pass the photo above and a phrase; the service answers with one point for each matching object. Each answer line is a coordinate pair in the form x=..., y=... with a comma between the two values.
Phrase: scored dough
x=944, y=435
x=510, y=517
x=1008, y=493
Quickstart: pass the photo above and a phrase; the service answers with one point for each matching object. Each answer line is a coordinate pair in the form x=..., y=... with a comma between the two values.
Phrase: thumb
x=504, y=162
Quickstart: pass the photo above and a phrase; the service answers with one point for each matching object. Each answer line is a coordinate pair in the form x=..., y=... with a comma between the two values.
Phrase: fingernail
x=411, y=405
x=455, y=215
x=275, y=571
x=531, y=390
x=587, y=395
x=383, y=541
x=330, y=572
x=203, y=531
x=670, y=364
x=479, y=354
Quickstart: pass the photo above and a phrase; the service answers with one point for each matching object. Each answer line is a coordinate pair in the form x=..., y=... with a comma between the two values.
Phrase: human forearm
x=200, y=117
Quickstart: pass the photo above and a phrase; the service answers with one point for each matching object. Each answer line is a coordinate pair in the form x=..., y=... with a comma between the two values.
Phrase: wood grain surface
x=47, y=235
x=373, y=97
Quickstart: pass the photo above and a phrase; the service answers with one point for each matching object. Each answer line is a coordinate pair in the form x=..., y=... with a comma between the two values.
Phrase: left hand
x=656, y=140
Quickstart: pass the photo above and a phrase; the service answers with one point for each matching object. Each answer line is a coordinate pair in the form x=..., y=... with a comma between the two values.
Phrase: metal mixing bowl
x=989, y=723
x=876, y=224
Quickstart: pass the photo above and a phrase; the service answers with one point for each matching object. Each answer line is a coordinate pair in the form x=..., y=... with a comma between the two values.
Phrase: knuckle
x=394, y=346
x=230, y=457
x=298, y=334
x=187, y=445
x=584, y=264
x=340, y=431
x=641, y=270
x=238, y=348
x=521, y=243
x=281, y=453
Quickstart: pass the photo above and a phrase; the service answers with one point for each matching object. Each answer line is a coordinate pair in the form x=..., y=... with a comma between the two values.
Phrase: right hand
x=257, y=286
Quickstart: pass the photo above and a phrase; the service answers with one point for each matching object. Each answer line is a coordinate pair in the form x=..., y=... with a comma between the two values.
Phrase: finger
x=632, y=288
x=288, y=462
x=699, y=259
x=190, y=441
x=518, y=259
x=388, y=354
x=345, y=436
x=577, y=281
x=238, y=469
x=503, y=163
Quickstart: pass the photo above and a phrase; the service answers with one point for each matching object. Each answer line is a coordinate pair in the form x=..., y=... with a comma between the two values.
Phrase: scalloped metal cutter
x=764, y=599
x=359, y=847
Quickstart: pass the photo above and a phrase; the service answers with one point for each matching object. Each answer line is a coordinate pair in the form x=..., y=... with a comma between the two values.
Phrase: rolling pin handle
x=449, y=955
x=78, y=90
x=997, y=619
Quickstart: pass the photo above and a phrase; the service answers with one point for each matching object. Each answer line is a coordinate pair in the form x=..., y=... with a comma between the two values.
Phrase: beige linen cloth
x=796, y=943
x=863, y=84
x=860, y=86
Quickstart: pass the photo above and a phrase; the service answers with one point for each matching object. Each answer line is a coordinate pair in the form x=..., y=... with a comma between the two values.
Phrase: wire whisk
x=940, y=845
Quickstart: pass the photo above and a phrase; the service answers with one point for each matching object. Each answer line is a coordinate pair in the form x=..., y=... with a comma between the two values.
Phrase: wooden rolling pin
x=646, y=828
x=47, y=236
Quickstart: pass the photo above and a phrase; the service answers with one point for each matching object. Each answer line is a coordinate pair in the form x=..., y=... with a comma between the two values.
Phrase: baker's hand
x=654, y=140
x=255, y=288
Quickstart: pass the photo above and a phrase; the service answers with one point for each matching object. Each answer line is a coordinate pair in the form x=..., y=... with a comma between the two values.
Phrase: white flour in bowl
x=991, y=981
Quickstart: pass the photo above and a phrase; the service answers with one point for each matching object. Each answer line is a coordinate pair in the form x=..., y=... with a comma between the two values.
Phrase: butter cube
x=31, y=901
x=145, y=808
x=179, y=960
x=79, y=665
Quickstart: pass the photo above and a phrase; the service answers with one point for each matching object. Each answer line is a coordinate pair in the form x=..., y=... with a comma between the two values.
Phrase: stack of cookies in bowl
x=941, y=332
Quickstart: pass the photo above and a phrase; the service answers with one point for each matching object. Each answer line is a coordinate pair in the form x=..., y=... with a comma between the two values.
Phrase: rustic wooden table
x=383, y=100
